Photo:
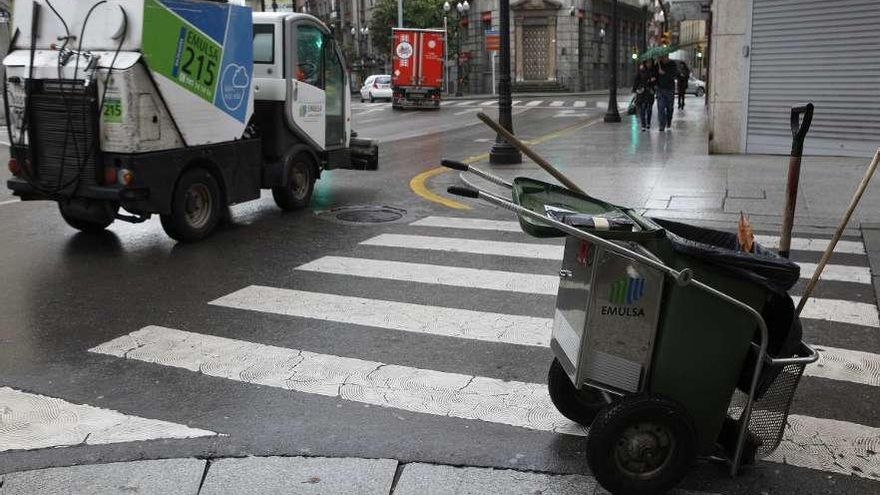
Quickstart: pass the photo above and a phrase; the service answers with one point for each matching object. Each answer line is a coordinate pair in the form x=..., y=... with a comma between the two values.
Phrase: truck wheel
x=642, y=444
x=580, y=406
x=196, y=207
x=87, y=226
x=297, y=194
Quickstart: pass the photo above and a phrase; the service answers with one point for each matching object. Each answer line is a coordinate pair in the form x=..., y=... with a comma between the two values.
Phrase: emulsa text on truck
x=417, y=68
x=121, y=109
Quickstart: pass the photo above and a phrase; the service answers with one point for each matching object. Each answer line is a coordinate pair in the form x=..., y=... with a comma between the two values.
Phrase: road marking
x=462, y=103
x=840, y=273
x=10, y=201
x=515, y=102
x=471, y=278
x=797, y=243
x=534, y=103
x=469, y=110
x=407, y=317
x=417, y=184
x=471, y=246
x=854, y=313
x=823, y=444
x=31, y=421
x=808, y=244
x=370, y=110
x=489, y=103
x=557, y=103
x=580, y=104
x=831, y=446
x=846, y=365
x=455, y=395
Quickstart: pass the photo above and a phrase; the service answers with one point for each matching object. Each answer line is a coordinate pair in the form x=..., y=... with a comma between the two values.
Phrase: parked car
x=376, y=88
x=696, y=86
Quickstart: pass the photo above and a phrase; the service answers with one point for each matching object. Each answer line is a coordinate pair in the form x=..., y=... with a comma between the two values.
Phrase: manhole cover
x=364, y=214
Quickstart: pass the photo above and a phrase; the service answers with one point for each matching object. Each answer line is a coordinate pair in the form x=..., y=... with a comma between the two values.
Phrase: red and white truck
x=417, y=70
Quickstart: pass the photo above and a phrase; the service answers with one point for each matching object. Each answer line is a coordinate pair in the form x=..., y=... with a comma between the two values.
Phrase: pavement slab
x=299, y=476
x=429, y=479
x=162, y=477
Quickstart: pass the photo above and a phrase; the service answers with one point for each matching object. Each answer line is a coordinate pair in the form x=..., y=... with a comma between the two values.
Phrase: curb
x=871, y=238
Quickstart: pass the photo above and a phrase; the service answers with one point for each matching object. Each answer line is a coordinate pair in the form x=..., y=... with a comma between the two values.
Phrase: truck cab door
x=306, y=99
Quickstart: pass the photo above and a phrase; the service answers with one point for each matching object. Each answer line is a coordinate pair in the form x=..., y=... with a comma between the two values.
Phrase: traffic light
x=664, y=38
x=635, y=53
x=699, y=51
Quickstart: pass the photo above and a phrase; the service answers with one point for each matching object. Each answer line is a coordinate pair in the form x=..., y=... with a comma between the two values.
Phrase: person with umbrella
x=644, y=87
x=667, y=73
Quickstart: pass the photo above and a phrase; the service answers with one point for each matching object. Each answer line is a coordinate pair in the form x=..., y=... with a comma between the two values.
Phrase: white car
x=376, y=88
x=696, y=86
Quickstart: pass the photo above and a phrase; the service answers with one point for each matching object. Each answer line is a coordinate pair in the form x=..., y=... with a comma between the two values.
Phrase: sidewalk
x=672, y=175
x=291, y=475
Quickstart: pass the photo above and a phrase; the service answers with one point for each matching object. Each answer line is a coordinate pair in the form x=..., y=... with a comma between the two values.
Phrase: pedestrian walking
x=684, y=75
x=644, y=86
x=667, y=72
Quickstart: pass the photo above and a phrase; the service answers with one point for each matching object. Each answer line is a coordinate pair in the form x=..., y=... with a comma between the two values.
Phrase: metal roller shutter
x=821, y=51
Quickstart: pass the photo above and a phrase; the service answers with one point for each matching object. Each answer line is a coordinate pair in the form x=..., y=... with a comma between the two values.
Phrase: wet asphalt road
x=64, y=292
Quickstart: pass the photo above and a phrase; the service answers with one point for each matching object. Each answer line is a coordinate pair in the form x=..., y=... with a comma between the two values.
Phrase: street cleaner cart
x=668, y=343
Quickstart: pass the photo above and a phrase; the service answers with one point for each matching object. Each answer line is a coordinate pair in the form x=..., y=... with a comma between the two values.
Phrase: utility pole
x=400, y=13
x=502, y=152
x=613, y=115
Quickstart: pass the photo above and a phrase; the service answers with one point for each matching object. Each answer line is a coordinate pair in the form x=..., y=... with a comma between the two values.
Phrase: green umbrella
x=657, y=51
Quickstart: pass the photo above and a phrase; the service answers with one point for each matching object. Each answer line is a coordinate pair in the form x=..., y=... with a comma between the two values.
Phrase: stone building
x=555, y=44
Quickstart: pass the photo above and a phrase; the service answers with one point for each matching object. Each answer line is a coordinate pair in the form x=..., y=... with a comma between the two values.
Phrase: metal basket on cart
x=660, y=341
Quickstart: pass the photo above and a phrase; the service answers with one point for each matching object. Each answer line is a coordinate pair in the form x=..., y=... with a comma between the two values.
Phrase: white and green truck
x=120, y=109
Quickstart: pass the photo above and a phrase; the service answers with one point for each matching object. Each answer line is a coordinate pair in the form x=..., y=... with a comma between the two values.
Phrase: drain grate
x=364, y=214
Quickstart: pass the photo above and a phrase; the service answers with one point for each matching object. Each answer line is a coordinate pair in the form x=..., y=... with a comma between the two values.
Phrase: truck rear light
x=14, y=167
x=110, y=176
x=126, y=177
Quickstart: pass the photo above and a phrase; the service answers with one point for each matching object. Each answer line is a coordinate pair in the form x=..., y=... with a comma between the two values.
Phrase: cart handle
x=682, y=277
x=812, y=357
x=800, y=127
x=464, y=167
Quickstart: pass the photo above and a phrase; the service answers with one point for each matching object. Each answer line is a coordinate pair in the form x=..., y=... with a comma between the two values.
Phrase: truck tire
x=83, y=225
x=580, y=406
x=301, y=176
x=640, y=445
x=196, y=207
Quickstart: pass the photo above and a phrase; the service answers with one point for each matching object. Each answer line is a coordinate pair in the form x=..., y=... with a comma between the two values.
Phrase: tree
x=419, y=14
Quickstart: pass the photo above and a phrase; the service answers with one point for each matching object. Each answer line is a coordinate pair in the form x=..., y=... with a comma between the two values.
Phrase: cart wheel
x=580, y=406
x=641, y=444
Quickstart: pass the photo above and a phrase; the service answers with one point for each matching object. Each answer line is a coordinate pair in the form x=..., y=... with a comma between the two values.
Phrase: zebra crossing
x=447, y=254
x=546, y=102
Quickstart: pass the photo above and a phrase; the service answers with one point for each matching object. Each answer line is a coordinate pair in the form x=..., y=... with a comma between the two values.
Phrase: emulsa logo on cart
x=623, y=296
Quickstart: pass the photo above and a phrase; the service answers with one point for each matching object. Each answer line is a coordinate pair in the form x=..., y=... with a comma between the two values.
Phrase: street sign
x=493, y=41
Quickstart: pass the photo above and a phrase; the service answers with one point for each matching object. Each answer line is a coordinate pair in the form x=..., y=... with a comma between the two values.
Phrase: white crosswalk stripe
x=32, y=421
x=846, y=365
x=408, y=317
x=580, y=104
x=418, y=390
x=534, y=103
x=526, y=405
x=557, y=103
x=435, y=274
x=488, y=103
x=797, y=244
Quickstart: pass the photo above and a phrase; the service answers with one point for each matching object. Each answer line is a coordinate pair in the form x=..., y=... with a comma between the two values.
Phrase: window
x=309, y=55
x=264, y=44
x=384, y=80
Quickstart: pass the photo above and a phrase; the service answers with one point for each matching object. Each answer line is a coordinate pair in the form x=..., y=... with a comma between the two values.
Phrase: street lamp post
x=613, y=115
x=502, y=152
x=462, y=9
x=446, y=9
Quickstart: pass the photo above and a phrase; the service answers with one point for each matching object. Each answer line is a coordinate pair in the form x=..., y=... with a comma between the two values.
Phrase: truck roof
x=278, y=16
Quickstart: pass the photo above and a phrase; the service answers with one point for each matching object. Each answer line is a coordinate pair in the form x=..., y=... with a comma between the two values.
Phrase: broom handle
x=843, y=223
x=510, y=138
